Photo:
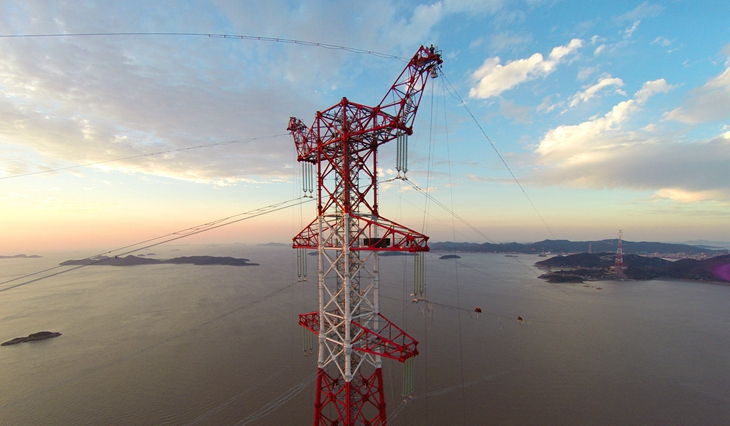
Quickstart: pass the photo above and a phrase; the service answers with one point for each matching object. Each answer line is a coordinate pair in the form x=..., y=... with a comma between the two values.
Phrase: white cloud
x=681, y=171
x=560, y=52
x=609, y=152
x=585, y=141
x=651, y=88
x=423, y=19
x=711, y=102
x=473, y=6
x=546, y=106
x=592, y=91
x=644, y=10
x=517, y=113
x=628, y=32
x=92, y=99
x=415, y=29
x=689, y=196
x=476, y=178
x=585, y=72
x=662, y=41
x=492, y=78
x=506, y=40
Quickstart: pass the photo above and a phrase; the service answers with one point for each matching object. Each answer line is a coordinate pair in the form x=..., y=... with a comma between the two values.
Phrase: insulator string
x=408, y=374
x=301, y=265
x=401, y=161
x=419, y=275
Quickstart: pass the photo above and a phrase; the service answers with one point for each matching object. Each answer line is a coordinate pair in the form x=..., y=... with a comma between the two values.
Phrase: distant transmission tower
x=348, y=234
x=620, y=251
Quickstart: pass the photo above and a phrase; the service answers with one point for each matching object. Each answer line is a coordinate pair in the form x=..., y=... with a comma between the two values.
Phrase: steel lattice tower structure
x=620, y=250
x=348, y=233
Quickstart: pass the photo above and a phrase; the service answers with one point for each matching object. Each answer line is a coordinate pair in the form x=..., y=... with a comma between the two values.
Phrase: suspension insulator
x=307, y=341
x=307, y=179
x=408, y=375
x=419, y=275
x=301, y=265
x=401, y=158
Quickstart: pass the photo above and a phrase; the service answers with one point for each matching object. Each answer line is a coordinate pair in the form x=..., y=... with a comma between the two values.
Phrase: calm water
x=219, y=345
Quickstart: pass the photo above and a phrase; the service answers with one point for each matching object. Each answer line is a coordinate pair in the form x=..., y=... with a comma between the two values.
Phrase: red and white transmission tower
x=620, y=250
x=348, y=234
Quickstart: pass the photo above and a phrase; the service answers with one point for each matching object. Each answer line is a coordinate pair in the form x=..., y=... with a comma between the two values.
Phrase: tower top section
x=343, y=144
x=372, y=125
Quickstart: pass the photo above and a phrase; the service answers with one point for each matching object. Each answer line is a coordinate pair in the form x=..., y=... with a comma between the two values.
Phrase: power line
x=456, y=274
x=212, y=35
x=167, y=238
x=442, y=391
x=143, y=155
x=249, y=303
x=218, y=408
x=456, y=95
x=282, y=399
x=450, y=211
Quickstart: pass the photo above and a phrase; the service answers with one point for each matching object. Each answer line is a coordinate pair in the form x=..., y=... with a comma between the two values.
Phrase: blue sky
x=612, y=115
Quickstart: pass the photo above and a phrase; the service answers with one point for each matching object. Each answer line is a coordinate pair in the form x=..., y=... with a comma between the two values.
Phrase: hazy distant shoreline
x=21, y=256
x=567, y=247
x=132, y=260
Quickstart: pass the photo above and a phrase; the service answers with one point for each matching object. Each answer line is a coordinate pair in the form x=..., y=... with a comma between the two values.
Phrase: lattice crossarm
x=304, y=140
x=391, y=236
x=310, y=321
x=389, y=342
x=403, y=98
x=308, y=238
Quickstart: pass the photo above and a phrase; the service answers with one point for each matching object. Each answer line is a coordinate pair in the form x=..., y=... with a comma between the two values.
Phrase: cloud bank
x=710, y=102
x=493, y=78
x=79, y=100
x=592, y=91
x=608, y=152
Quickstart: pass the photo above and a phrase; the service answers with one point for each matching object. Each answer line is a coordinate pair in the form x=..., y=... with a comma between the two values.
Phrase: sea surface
x=219, y=345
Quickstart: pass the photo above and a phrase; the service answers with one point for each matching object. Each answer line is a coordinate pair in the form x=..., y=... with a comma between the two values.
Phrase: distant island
x=273, y=245
x=394, y=253
x=601, y=266
x=21, y=256
x=41, y=335
x=132, y=260
x=450, y=256
x=565, y=247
